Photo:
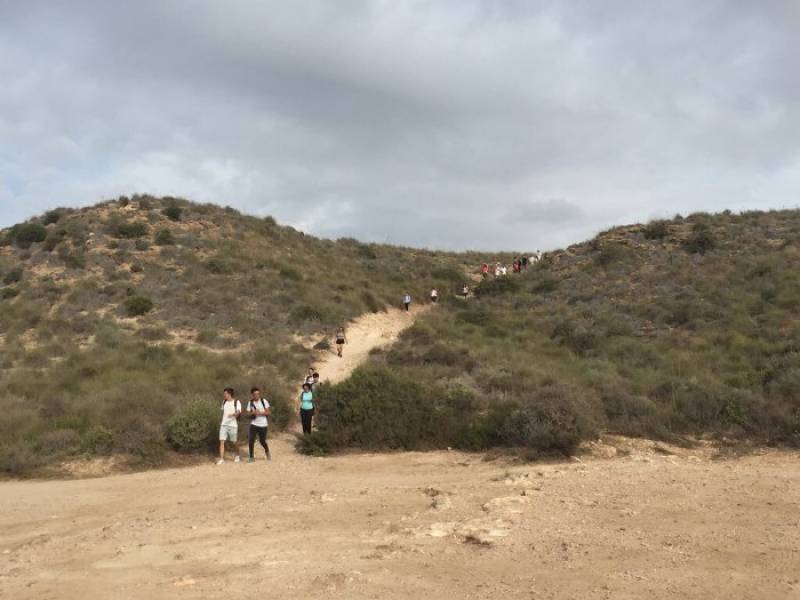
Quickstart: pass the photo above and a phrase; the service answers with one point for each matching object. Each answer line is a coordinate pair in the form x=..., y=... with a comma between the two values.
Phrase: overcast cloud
x=451, y=124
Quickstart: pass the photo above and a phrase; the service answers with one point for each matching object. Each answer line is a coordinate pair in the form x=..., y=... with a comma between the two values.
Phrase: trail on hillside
x=367, y=332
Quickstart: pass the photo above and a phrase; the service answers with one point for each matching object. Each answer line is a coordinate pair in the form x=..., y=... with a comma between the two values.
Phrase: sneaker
x=220, y=461
x=269, y=456
x=236, y=460
x=251, y=459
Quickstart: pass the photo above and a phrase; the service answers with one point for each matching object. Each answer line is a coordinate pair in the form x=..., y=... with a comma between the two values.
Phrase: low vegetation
x=684, y=327
x=143, y=308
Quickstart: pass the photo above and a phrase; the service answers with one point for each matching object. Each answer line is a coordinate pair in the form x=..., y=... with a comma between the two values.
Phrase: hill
x=116, y=318
x=681, y=327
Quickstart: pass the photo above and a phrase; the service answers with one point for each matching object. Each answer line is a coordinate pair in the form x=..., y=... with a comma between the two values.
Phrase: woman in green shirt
x=307, y=407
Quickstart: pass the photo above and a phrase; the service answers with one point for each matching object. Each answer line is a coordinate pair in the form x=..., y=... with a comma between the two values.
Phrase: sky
x=451, y=124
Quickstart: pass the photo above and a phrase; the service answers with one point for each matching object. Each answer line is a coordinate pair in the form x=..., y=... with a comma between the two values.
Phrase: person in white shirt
x=434, y=295
x=504, y=270
x=407, y=301
x=229, y=427
x=258, y=409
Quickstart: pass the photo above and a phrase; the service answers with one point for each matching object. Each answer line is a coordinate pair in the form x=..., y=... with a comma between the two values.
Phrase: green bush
x=13, y=276
x=701, y=240
x=26, y=234
x=173, y=213
x=552, y=418
x=194, y=426
x=131, y=230
x=656, y=230
x=137, y=306
x=497, y=286
x=7, y=293
x=164, y=237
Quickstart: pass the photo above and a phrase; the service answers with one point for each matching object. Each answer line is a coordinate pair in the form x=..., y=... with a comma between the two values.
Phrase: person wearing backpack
x=229, y=427
x=258, y=409
x=407, y=301
x=307, y=408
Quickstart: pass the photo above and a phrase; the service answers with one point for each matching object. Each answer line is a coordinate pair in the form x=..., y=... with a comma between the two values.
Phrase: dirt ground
x=427, y=525
x=373, y=330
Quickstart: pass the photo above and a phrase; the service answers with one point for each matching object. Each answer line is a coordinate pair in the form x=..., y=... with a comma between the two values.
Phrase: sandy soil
x=374, y=330
x=426, y=525
x=629, y=519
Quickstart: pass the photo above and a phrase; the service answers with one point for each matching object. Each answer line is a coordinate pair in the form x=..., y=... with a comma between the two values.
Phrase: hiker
x=434, y=295
x=524, y=263
x=407, y=301
x=497, y=270
x=341, y=340
x=307, y=407
x=504, y=270
x=485, y=270
x=310, y=377
x=258, y=409
x=465, y=291
x=315, y=383
x=229, y=427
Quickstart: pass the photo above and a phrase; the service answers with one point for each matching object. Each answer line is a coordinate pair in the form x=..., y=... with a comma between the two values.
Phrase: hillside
x=675, y=328
x=114, y=317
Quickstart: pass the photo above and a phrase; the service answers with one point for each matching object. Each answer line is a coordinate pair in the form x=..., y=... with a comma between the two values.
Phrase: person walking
x=258, y=409
x=434, y=295
x=465, y=291
x=310, y=376
x=485, y=270
x=307, y=408
x=407, y=301
x=341, y=340
x=229, y=427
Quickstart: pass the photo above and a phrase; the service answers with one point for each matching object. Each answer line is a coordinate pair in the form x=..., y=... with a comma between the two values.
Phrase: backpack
x=263, y=405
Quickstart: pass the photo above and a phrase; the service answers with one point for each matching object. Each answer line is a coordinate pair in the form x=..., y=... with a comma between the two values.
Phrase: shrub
x=217, y=266
x=656, y=230
x=323, y=344
x=130, y=230
x=371, y=302
x=290, y=274
x=551, y=418
x=305, y=313
x=53, y=216
x=26, y=234
x=173, y=213
x=8, y=293
x=194, y=426
x=164, y=237
x=497, y=286
x=701, y=240
x=137, y=306
x=13, y=276
x=610, y=254
x=142, y=245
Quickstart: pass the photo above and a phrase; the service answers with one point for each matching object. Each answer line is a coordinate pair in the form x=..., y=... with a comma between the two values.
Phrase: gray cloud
x=446, y=124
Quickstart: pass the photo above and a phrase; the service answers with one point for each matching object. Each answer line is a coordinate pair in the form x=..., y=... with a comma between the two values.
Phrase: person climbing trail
x=434, y=295
x=307, y=408
x=407, y=301
x=310, y=377
x=341, y=340
x=258, y=409
x=229, y=426
x=465, y=291
x=485, y=270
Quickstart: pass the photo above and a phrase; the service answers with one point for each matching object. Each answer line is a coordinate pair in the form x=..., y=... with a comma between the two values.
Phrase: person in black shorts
x=341, y=340
x=258, y=409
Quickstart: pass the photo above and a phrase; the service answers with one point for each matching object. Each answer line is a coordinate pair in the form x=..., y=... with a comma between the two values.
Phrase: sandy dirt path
x=373, y=330
x=424, y=525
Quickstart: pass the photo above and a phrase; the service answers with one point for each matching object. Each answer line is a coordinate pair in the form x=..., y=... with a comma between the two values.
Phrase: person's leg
x=222, y=449
x=305, y=417
x=251, y=440
x=262, y=438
